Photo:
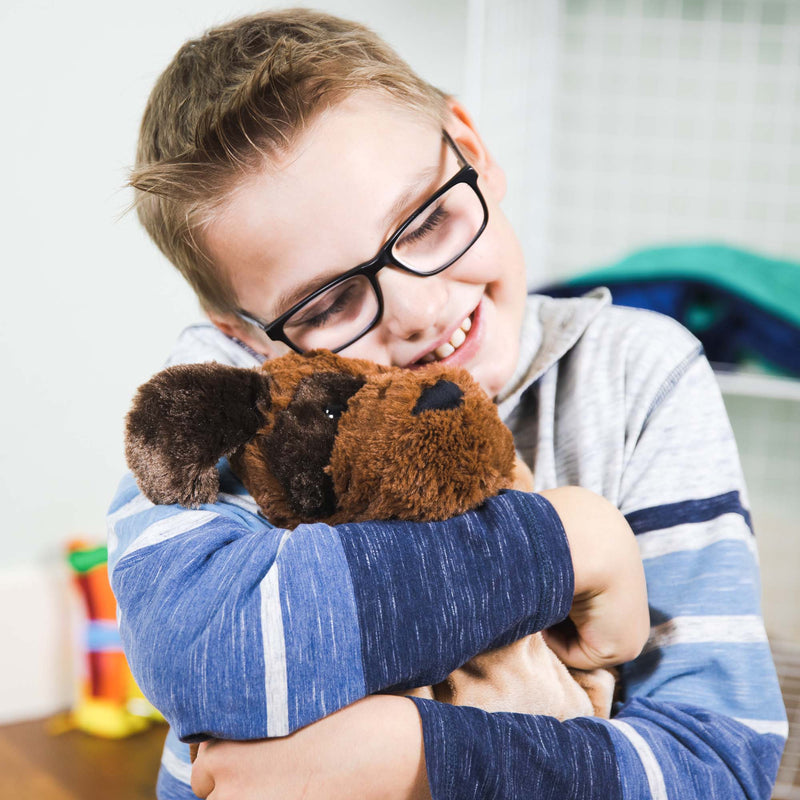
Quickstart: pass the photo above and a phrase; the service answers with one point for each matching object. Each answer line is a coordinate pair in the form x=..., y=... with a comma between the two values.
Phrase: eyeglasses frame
x=384, y=258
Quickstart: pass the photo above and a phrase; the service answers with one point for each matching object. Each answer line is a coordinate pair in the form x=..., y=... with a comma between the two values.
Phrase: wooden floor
x=36, y=765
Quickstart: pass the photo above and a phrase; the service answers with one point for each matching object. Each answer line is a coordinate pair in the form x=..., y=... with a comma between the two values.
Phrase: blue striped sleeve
x=708, y=645
x=690, y=752
x=482, y=582
x=239, y=630
x=473, y=755
x=651, y=749
x=175, y=774
x=701, y=509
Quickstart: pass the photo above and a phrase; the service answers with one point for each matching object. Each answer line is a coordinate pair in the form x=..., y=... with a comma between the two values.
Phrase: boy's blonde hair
x=237, y=95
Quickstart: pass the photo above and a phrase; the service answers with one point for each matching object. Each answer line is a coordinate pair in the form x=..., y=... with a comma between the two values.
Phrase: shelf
x=754, y=384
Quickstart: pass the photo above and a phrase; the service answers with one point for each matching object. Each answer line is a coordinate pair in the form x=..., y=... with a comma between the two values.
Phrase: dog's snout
x=442, y=396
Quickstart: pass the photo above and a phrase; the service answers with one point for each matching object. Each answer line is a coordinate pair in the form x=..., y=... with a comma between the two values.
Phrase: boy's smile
x=338, y=194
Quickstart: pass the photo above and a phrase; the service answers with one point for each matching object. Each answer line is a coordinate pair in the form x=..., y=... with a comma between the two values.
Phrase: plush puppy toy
x=324, y=438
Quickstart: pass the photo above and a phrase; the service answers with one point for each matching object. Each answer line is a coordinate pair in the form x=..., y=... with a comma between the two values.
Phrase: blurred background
x=621, y=124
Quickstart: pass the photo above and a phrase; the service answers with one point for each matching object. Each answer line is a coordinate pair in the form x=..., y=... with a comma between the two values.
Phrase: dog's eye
x=334, y=411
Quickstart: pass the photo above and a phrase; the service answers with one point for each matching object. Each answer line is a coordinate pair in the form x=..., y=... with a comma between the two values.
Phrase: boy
x=276, y=154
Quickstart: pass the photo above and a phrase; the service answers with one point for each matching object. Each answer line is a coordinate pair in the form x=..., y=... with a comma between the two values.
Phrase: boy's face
x=329, y=204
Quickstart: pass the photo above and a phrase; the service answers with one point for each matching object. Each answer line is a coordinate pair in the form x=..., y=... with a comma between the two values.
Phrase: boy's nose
x=412, y=304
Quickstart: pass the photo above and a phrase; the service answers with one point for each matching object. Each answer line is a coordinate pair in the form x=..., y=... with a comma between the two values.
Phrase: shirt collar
x=550, y=328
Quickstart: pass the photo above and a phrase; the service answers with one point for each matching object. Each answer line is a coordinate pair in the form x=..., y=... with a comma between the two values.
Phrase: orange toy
x=110, y=704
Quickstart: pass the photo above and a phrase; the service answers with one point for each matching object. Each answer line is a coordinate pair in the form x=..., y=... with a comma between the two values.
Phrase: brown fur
x=324, y=438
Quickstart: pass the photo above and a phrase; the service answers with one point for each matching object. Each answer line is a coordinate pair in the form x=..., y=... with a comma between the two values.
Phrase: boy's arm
x=235, y=629
x=228, y=621
x=702, y=715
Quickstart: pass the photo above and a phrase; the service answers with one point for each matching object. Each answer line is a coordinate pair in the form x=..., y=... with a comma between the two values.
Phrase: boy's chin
x=492, y=382
x=495, y=375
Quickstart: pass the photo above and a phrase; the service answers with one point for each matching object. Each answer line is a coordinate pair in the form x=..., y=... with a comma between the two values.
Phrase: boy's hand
x=372, y=750
x=609, y=622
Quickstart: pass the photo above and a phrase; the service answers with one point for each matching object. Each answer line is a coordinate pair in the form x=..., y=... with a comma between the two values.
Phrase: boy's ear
x=464, y=133
x=183, y=420
x=253, y=338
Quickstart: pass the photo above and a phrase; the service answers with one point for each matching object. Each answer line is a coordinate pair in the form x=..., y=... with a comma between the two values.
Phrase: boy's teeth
x=456, y=340
x=445, y=350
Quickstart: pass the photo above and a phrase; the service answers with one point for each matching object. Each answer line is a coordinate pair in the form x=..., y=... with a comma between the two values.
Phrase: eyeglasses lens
x=434, y=238
x=442, y=232
x=336, y=317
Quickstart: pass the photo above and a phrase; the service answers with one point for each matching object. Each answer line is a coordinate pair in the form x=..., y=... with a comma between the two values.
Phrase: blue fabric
x=690, y=742
x=733, y=329
x=680, y=674
x=163, y=592
x=168, y=787
x=719, y=584
x=194, y=599
x=175, y=774
x=316, y=585
x=486, y=597
x=472, y=755
x=695, y=510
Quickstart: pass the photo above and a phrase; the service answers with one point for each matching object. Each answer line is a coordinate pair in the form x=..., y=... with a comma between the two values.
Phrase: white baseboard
x=37, y=631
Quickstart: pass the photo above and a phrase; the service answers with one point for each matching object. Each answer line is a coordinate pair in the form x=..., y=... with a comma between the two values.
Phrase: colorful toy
x=109, y=703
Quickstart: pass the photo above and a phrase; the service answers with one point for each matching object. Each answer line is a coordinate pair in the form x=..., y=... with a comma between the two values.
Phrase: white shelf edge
x=752, y=384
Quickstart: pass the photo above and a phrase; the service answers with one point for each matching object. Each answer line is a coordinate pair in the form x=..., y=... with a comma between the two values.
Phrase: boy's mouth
x=458, y=337
x=451, y=346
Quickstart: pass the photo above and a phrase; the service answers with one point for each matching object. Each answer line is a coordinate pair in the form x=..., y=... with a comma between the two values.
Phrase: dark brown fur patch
x=298, y=448
x=183, y=420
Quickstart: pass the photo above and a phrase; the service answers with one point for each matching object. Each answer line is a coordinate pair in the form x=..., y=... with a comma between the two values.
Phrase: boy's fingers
x=574, y=655
x=574, y=645
x=202, y=783
x=565, y=642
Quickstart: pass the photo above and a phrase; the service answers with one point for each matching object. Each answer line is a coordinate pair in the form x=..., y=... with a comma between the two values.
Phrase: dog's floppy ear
x=183, y=420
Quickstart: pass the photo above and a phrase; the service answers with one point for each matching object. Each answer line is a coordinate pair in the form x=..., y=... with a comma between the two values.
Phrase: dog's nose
x=443, y=395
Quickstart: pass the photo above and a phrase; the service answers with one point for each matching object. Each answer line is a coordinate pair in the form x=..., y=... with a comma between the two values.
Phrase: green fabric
x=772, y=284
x=84, y=560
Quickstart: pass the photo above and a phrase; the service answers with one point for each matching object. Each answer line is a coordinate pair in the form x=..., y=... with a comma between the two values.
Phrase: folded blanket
x=744, y=307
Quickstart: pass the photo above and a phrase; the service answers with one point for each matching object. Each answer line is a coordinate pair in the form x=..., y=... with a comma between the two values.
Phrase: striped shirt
x=239, y=630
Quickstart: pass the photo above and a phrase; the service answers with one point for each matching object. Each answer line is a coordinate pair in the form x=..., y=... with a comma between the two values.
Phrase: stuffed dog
x=323, y=438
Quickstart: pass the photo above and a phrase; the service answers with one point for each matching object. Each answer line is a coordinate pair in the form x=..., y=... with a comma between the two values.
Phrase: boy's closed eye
x=339, y=304
x=435, y=219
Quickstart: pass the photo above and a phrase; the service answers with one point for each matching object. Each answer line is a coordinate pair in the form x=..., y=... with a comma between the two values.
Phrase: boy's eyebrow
x=396, y=215
x=401, y=204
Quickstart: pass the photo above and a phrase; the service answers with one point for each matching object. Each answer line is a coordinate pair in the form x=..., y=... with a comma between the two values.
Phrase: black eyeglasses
x=433, y=238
